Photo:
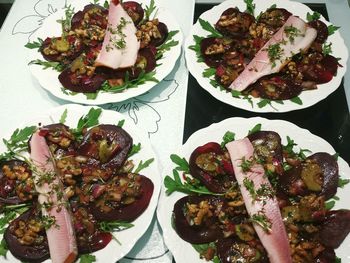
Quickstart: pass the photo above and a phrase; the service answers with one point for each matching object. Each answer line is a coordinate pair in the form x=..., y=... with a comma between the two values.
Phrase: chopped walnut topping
x=148, y=31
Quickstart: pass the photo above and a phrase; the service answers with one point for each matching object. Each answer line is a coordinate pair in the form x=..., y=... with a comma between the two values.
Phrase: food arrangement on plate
x=105, y=53
x=263, y=56
x=246, y=190
x=67, y=191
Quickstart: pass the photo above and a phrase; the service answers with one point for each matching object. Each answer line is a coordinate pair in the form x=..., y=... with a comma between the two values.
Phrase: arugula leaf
x=337, y=260
x=148, y=11
x=202, y=249
x=142, y=165
x=273, y=6
x=106, y=4
x=216, y=85
x=34, y=44
x=68, y=92
x=343, y=182
x=121, y=123
x=113, y=226
x=3, y=248
x=297, y=100
x=263, y=103
x=197, y=47
x=228, y=137
x=9, y=213
x=255, y=129
x=289, y=147
x=312, y=17
x=189, y=186
x=327, y=49
x=336, y=156
x=209, y=72
x=87, y=258
x=208, y=27
x=250, y=6
x=64, y=116
x=329, y=205
x=332, y=29
x=47, y=64
x=87, y=121
x=249, y=99
x=128, y=84
x=236, y=93
x=91, y=95
x=168, y=44
x=135, y=149
x=66, y=21
x=181, y=162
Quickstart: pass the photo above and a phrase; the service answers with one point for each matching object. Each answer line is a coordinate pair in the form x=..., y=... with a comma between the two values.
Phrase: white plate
x=113, y=251
x=182, y=250
x=308, y=98
x=48, y=78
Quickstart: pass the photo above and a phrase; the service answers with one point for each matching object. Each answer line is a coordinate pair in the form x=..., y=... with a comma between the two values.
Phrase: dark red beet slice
x=206, y=233
x=80, y=83
x=134, y=10
x=235, y=23
x=97, y=17
x=322, y=30
x=128, y=212
x=163, y=30
x=326, y=256
x=220, y=177
x=59, y=138
x=268, y=146
x=330, y=64
x=291, y=183
x=97, y=241
x=212, y=50
x=146, y=60
x=73, y=44
x=117, y=143
x=277, y=88
x=329, y=168
x=335, y=228
x=274, y=17
x=234, y=250
x=8, y=186
x=33, y=253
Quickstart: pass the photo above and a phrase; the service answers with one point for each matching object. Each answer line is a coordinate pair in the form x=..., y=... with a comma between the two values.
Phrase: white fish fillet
x=262, y=66
x=61, y=237
x=113, y=55
x=275, y=241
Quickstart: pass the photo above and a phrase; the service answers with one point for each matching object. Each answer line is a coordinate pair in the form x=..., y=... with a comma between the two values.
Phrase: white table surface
x=160, y=112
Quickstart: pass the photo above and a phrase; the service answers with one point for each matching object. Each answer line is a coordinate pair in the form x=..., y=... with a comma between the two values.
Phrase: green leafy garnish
x=246, y=165
x=332, y=29
x=113, y=226
x=329, y=205
x=274, y=51
x=292, y=32
x=9, y=213
x=228, y=137
x=3, y=248
x=128, y=84
x=181, y=162
x=87, y=258
x=255, y=129
x=197, y=47
x=209, y=72
x=47, y=64
x=272, y=6
x=203, y=248
x=106, y=4
x=68, y=92
x=66, y=21
x=64, y=116
x=135, y=149
x=189, y=186
x=250, y=6
x=148, y=11
x=343, y=182
x=121, y=123
x=297, y=100
x=312, y=17
x=208, y=27
x=261, y=220
x=337, y=260
x=91, y=95
x=87, y=121
x=327, y=49
x=142, y=165
x=168, y=44
x=34, y=44
x=18, y=142
x=336, y=156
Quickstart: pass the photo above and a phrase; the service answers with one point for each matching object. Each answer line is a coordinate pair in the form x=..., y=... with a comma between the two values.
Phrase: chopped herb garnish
x=332, y=29
x=312, y=17
x=255, y=129
x=181, y=162
x=117, y=39
x=49, y=221
x=250, y=6
x=274, y=52
x=34, y=44
x=228, y=137
x=142, y=165
x=47, y=64
x=208, y=27
x=292, y=32
x=261, y=220
x=249, y=185
x=63, y=117
x=246, y=165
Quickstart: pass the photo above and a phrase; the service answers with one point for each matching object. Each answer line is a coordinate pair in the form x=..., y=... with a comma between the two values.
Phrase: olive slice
x=134, y=10
x=108, y=144
x=209, y=165
x=126, y=212
x=335, y=228
x=208, y=231
x=27, y=253
x=16, y=183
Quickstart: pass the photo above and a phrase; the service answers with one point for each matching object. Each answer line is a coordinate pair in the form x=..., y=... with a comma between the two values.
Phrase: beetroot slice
x=213, y=60
x=196, y=234
x=8, y=186
x=163, y=30
x=335, y=228
x=95, y=19
x=291, y=183
x=224, y=178
x=134, y=10
x=330, y=170
x=275, y=17
x=322, y=30
x=34, y=253
x=146, y=60
x=326, y=256
x=112, y=134
x=129, y=212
